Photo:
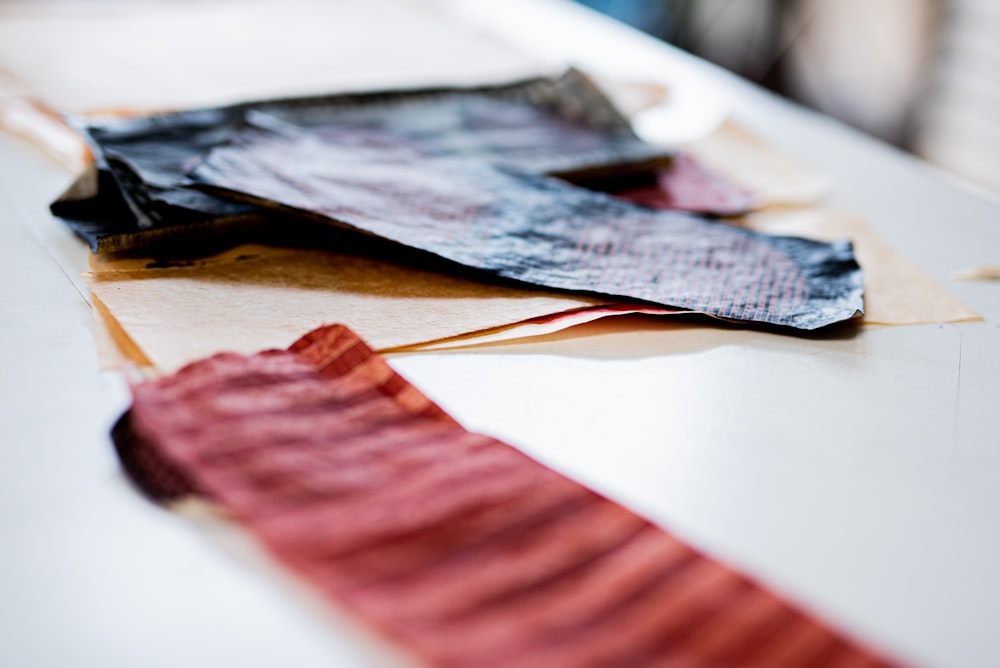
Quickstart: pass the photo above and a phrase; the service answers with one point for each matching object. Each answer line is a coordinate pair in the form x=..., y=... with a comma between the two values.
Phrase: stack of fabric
x=417, y=216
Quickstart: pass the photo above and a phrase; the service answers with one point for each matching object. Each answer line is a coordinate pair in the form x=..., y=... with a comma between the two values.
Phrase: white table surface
x=857, y=473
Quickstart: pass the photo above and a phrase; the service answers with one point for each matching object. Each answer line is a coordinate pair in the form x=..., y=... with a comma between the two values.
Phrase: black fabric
x=562, y=125
x=537, y=229
x=465, y=175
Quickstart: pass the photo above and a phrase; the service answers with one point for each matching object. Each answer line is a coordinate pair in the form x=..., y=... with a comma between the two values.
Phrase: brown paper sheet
x=255, y=297
x=987, y=272
x=115, y=348
x=897, y=292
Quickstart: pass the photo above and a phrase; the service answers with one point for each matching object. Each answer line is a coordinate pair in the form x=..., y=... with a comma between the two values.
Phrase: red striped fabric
x=458, y=547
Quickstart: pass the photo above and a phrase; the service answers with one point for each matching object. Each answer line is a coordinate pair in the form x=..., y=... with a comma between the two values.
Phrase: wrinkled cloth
x=536, y=229
x=559, y=125
x=466, y=175
x=458, y=547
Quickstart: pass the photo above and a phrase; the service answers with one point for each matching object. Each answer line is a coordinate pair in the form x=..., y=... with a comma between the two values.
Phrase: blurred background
x=921, y=74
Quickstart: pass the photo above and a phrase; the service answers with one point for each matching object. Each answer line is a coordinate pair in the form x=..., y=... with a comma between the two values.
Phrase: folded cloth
x=559, y=125
x=467, y=175
x=535, y=229
x=455, y=545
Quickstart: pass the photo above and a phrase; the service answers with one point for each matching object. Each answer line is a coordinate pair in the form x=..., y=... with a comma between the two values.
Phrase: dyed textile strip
x=458, y=547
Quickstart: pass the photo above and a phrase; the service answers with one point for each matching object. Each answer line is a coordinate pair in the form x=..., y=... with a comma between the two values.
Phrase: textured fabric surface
x=465, y=174
x=541, y=125
x=537, y=229
x=458, y=547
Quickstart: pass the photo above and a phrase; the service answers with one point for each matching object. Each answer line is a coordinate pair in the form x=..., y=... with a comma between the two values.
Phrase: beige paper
x=897, y=292
x=168, y=55
x=115, y=348
x=255, y=297
x=987, y=272
x=776, y=179
x=155, y=56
